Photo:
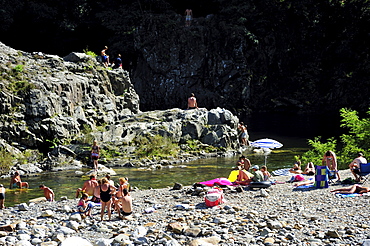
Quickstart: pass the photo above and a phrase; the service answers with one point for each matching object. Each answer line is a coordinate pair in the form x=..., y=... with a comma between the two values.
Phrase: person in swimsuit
x=352, y=189
x=310, y=169
x=16, y=181
x=84, y=206
x=188, y=17
x=88, y=186
x=192, y=102
x=95, y=151
x=330, y=160
x=126, y=202
x=105, y=57
x=2, y=196
x=106, y=192
x=96, y=196
x=244, y=134
x=48, y=193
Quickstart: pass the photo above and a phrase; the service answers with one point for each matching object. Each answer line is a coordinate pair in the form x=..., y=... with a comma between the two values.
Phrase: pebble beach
x=279, y=215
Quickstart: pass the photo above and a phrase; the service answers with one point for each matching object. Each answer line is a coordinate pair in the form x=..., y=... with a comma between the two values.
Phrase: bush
x=155, y=146
x=6, y=161
x=357, y=140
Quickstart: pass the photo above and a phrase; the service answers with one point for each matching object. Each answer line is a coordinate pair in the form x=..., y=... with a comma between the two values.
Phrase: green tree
x=356, y=140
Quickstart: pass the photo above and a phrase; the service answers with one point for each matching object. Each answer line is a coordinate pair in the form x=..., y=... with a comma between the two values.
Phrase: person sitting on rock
x=126, y=204
x=244, y=177
x=16, y=181
x=48, y=193
x=84, y=206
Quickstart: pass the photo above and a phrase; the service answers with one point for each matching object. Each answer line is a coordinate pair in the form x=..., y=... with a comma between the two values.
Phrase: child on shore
x=266, y=174
x=84, y=206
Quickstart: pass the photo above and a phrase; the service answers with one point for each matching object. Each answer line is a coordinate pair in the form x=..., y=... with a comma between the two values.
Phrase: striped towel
x=282, y=172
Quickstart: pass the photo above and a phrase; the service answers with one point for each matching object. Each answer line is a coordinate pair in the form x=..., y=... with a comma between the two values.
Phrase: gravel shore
x=283, y=216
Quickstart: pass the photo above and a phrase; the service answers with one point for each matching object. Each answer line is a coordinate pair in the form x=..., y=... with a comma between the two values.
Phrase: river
x=291, y=130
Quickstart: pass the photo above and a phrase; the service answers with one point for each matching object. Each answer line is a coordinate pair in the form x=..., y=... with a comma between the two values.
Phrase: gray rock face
x=45, y=97
x=58, y=98
x=46, y=100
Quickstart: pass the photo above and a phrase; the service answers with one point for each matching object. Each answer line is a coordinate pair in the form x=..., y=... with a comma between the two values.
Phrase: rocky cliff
x=48, y=101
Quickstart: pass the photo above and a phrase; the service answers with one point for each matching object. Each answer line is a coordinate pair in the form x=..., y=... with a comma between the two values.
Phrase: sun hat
x=1, y=185
x=256, y=167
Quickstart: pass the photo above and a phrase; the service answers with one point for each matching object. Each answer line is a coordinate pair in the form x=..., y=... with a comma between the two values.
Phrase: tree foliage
x=356, y=140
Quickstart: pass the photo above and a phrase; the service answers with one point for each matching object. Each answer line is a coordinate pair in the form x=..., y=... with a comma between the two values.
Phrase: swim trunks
x=94, y=156
x=15, y=185
x=188, y=18
x=95, y=199
x=2, y=196
x=124, y=213
x=192, y=107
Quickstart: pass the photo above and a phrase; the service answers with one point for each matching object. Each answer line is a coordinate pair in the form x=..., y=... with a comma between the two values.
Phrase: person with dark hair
x=192, y=102
x=2, y=196
x=126, y=203
x=84, y=206
x=118, y=62
x=354, y=166
x=16, y=181
x=330, y=160
x=243, y=134
x=48, y=193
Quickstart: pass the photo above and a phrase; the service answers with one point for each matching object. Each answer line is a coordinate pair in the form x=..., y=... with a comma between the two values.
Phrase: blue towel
x=348, y=195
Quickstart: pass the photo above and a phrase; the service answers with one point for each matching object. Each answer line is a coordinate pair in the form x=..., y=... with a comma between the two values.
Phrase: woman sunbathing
x=352, y=189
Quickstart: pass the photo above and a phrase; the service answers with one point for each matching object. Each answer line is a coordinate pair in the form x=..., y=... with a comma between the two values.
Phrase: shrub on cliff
x=6, y=160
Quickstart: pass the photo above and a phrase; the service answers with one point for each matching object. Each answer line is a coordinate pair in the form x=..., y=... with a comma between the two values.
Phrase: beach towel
x=347, y=195
x=321, y=177
x=218, y=181
x=304, y=186
x=281, y=172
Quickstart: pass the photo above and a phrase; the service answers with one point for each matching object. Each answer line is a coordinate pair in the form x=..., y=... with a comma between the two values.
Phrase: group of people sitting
x=103, y=191
x=245, y=177
x=330, y=160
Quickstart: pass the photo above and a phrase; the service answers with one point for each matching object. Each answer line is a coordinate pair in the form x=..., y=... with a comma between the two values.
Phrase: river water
x=291, y=130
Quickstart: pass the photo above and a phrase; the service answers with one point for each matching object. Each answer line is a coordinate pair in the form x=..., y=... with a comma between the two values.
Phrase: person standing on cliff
x=188, y=17
x=105, y=57
x=192, y=102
